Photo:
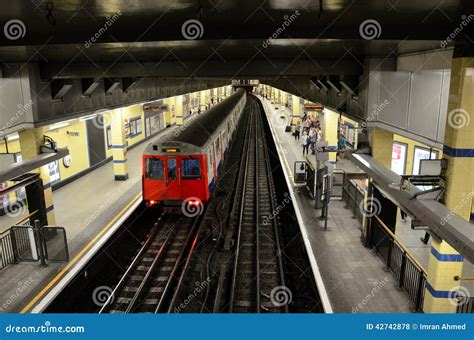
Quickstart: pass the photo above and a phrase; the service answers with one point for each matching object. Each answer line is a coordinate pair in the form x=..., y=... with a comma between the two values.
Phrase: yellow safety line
x=78, y=256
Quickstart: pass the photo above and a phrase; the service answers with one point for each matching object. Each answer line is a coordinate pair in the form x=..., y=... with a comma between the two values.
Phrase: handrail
x=459, y=278
x=23, y=220
x=405, y=249
x=19, y=222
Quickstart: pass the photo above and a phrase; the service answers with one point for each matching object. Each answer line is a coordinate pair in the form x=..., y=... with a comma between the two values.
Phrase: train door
x=173, y=187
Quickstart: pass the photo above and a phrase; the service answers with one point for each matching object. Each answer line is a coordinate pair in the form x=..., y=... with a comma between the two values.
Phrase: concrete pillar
x=168, y=114
x=329, y=124
x=381, y=142
x=30, y=144
x=202, y=100
x=119, y=144
x=284, y=98
x=445, y=262
x=178, y=110
x=296, y=110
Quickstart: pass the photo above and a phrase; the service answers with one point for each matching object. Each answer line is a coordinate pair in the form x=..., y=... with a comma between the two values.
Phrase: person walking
x=297, y=132
x=305, y=143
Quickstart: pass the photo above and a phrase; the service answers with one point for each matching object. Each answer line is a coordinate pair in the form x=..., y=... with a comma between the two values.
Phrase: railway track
x=151, y=282
x=257, y=268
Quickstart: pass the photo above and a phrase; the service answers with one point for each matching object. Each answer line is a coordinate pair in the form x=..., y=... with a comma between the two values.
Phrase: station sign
x=313, y=107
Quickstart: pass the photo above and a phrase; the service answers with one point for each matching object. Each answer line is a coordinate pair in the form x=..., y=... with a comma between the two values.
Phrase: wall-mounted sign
x=398, y=158
x=72, y=133
x=313, y=107
x=126, y=125
x=419, y=154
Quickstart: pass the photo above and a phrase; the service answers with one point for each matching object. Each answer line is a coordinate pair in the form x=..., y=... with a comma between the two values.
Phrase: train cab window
x=154, y=168
x=191, y=168
x=172, y=171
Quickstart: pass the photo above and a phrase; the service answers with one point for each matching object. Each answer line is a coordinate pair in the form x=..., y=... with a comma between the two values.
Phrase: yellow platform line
x=78, y=257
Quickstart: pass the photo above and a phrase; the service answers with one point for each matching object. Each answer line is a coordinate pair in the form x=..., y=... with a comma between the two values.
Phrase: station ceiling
x=323, y=33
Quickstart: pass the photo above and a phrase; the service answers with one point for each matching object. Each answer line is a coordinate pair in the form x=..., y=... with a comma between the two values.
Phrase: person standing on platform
x=305, y=142
x=297, y=131
x=341, y=145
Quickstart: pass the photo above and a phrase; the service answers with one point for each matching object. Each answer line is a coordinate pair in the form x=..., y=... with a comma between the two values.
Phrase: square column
x=119, y=144
x=445, y=262
x=381, y=142
x=178, y=110
x=296, y=110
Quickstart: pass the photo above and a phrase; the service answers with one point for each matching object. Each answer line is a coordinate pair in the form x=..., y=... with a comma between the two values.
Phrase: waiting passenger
x=342, y=146
x=305, y=142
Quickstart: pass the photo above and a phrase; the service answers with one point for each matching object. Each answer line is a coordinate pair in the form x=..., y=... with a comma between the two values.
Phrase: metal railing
x=14, y=242
x=410, y=275
x=466, y=306
x=352, y=198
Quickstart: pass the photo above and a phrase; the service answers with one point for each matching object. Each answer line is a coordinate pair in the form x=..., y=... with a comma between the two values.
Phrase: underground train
x=182, y=167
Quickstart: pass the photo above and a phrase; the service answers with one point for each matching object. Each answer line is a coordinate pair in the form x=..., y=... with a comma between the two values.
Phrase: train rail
x=257, y=268
x=152, y=280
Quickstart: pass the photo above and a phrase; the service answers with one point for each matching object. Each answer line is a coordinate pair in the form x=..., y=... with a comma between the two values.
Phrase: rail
x=149, y=283
x=14, y=242
x=409, y=273
x=257, y=267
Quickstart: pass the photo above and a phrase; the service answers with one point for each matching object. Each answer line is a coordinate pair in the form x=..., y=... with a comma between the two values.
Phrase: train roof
x=195, y=131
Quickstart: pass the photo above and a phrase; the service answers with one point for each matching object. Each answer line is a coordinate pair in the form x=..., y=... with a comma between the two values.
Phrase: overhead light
x=83, y=119
x=58, y=126
x=14, y=136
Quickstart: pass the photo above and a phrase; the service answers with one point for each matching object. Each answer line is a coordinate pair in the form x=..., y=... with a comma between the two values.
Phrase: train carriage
x=185, y=165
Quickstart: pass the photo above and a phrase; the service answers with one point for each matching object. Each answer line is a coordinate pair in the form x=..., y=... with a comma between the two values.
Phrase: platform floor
x=84, y=208
x=353, y=275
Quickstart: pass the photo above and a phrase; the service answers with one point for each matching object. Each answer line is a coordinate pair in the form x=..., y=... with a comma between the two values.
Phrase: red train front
x=183, y=165
x=173, y=173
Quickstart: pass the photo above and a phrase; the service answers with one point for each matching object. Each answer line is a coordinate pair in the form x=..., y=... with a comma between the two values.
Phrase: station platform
x=90, y=209
x=353, y=276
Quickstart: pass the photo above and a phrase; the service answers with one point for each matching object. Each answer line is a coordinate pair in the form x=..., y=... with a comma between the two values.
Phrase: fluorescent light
x=82, y=119
x=58, y=126
x=14, y=136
